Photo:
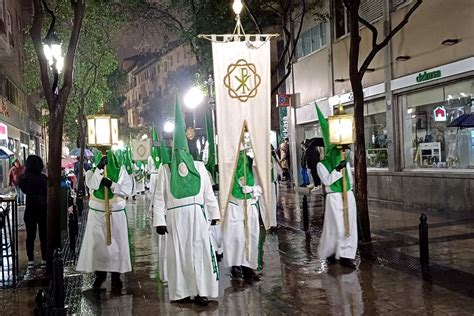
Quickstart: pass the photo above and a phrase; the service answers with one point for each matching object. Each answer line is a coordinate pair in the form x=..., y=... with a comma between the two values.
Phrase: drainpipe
x=391, y=113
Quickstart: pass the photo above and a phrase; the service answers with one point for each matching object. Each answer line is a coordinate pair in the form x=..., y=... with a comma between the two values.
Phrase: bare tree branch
x=372, y=28
x=387, y=39
x=293, y=49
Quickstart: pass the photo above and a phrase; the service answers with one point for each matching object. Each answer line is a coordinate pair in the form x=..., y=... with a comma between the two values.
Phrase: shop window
x=375, y=133
x=428, y=141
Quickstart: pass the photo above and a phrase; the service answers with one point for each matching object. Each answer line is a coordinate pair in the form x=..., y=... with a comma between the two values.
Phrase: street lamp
x=193, y=98
x=168, y=127
x=52, y=50
x=341, y=134
x=102, y=132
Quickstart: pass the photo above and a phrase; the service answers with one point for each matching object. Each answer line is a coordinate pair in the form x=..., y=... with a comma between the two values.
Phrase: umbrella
x=5, y=153
x=77, y=152
x=67, y=162
x=463, y=121
x=316, y=141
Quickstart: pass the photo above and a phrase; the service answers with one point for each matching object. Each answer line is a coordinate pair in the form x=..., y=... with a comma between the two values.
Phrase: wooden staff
x=345, y=209
x=108, y=230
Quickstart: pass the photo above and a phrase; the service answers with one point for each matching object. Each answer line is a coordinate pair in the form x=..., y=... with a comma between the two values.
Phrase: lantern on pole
x=102, y=132
x=342, y=134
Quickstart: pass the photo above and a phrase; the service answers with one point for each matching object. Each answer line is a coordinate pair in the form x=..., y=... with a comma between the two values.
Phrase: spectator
x=312, y=158
x=16, y=172
x=285, y=159
x=303, y=163
x=34, y=184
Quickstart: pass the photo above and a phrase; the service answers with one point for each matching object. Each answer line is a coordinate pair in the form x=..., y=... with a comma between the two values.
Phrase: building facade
x=416, y=86
x=20, y=130
x=147, y=79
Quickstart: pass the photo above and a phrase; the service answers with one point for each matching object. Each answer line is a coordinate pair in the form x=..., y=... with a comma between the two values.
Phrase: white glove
x=257, y=191
x=246, y=189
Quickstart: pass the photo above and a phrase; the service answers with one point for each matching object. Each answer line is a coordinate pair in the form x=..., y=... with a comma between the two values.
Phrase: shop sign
x=283, y=100
x=440, y=114
x=3, y=131
x=284, y=124
x=425, y=76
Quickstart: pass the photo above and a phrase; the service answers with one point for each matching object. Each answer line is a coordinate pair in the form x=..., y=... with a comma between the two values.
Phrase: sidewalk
x=294, y=281
x=395, y=240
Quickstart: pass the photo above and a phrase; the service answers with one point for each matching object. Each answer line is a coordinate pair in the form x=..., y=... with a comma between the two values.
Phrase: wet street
x=294, y=282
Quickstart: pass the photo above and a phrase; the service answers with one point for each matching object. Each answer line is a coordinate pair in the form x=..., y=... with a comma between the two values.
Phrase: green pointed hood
x=332, y=154
x=155, y=151
x=185, y=179
x=211, y=149
x=127, y=160
x=165, y=153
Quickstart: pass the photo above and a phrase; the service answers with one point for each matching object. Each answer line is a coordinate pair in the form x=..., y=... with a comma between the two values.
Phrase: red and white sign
x=3, y=131
x=440, y=114
x=283, y=100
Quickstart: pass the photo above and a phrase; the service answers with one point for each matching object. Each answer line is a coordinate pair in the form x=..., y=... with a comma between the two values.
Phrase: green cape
x=155, y=151
x=211, y=149
x=113, y=173
x=332, y=155
x=185, y=178
x=243, y=169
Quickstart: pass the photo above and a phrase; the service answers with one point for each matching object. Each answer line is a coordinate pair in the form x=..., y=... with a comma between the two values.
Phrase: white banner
x=243, y=86
x=141, y=150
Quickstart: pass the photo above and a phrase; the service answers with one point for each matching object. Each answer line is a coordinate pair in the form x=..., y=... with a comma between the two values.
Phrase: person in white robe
x=95, y=255
x=184, y=205
x=241, y=227
x=334, y=244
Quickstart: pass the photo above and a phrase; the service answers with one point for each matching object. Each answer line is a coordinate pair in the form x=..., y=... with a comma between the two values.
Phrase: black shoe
x=201, y=300
x=249, y=274
x=98, y=282
x=219, y=257
x=331, y=259
x=348, y=263
x=183, y=300
x=236, y=273
x=116, y=283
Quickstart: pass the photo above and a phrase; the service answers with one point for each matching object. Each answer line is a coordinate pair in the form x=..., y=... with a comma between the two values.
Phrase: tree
x=186, y=19
x=56, y=101
x=356, y=75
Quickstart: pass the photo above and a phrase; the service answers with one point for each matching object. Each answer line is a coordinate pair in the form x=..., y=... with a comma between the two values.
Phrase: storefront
x=432, y=165
x=428, y=142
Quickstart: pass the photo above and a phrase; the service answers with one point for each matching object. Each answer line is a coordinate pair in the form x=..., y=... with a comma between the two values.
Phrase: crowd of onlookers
x=310, y=156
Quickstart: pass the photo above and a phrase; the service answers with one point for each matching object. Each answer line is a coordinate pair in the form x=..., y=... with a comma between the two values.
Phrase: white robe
x=161, y=239
x=333, y=240
x=241, y=244
x=95, y=255
x=190, y=259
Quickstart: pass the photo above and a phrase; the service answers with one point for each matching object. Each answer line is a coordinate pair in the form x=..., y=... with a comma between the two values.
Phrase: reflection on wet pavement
x=294, y=281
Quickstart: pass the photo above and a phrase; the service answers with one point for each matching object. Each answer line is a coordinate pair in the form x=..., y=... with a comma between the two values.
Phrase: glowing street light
x=168, y=127
x=193, y=98
x=52, y=52
x=237, y=6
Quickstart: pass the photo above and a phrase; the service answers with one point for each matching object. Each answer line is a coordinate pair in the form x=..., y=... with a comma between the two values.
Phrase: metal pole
x=424, y=249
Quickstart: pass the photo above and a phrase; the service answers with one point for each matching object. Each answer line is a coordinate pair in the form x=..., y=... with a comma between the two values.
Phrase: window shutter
x=397, y=3
x=370, y=10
